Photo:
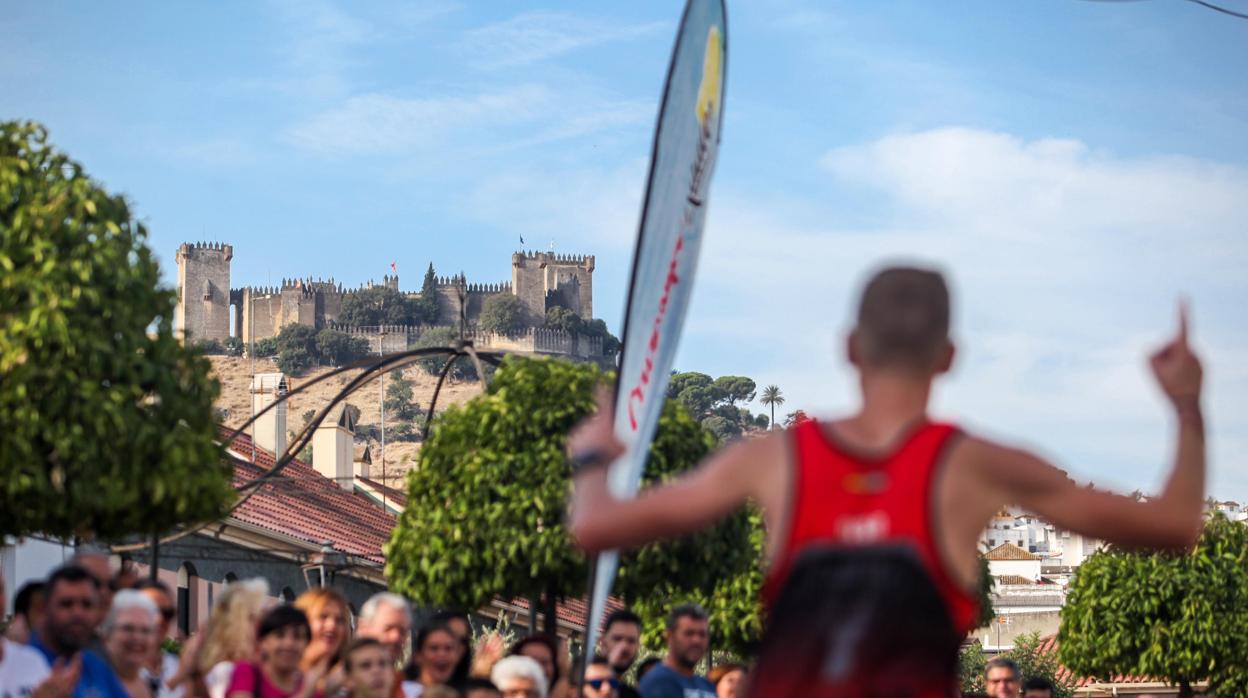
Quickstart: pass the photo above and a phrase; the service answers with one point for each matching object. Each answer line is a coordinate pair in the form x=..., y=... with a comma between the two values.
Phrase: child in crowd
x=369, y=671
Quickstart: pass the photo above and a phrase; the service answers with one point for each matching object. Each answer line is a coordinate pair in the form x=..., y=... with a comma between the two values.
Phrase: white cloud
x=537, y=36
x=1065, y=263
x=515, y=116
x=380, y=123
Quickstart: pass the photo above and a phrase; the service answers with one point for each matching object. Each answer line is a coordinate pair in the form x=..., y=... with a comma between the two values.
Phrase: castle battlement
x=210, y=309
x=207, y=246
x=455, y=280
x=503, y=287
x=553, y=258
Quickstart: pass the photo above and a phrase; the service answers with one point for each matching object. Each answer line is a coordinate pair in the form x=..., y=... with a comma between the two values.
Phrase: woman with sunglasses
x=162, y=665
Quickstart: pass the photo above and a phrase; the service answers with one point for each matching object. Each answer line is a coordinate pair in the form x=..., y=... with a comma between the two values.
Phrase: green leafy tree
x=971, y=662
x=1034, y=663
x=234, y=346
x=210, y=347
x=339, y=348
x=734, y=389
x=987, y=613
x=378, y=305
x=296, y=349
x=598, y=328
x=771, y=398
x=398, y=403
x=696, y=391
x=486, y=503
x=445, y=337
x=1181, y=617
x=971, y=659
x=503, y=313
x=106, y=418
x=427, y=306
x=560, y=318
x=265, y=347
x=724, y=429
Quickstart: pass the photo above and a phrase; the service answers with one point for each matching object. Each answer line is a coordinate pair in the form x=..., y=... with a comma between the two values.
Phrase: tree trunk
x=533, y=607
x=1185, y=689
x=549, y=620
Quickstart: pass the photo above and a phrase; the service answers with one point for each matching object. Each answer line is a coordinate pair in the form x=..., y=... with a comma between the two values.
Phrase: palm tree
x=771, y=398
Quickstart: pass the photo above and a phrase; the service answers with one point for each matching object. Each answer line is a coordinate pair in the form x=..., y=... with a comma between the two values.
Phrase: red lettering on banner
x=637, y=395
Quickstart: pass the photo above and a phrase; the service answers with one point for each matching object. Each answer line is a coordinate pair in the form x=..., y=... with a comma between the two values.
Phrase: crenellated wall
x=207, y=306
x=534, y=340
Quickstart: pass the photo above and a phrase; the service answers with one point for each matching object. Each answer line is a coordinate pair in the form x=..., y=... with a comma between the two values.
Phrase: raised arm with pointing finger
x=887, y=492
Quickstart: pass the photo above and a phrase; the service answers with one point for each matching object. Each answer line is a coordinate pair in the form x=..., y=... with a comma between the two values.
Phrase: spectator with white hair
x=387, y=618
x=519, y=676
x=129, y=632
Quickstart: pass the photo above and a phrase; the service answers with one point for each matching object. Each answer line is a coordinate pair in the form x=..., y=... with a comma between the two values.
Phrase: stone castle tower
x=203, y=310
x=545, y=279
x=207, y=304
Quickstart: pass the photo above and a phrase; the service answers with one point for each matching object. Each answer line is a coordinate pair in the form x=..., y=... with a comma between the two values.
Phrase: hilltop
x=235, y=376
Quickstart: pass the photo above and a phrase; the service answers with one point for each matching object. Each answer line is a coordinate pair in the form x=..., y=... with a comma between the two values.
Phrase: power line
x=1223, y=10
x=1202, y=3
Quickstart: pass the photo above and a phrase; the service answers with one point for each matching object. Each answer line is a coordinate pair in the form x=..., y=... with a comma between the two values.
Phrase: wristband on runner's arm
x=591, y=459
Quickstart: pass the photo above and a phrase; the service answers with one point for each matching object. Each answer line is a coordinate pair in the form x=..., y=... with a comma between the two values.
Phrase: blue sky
x=1075, y=166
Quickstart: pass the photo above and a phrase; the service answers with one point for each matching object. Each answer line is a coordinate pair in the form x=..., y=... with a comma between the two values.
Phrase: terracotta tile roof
x=1009, y=551
x=571, y=611
x=395, y=495
x=301, y=503
x=1048, y=645
x=1013, y=579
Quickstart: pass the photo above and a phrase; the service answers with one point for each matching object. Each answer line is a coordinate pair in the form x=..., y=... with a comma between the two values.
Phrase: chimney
x=363, y=462
x=333, y=448
x=270, y=428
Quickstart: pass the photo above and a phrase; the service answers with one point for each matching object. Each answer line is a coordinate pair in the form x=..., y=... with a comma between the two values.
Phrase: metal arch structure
x=372, y=370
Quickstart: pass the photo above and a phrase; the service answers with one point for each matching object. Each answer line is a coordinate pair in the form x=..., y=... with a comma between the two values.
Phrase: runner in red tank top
x=873, y=520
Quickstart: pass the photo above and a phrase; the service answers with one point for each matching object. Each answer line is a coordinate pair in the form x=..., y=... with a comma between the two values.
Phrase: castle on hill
x=209, y=309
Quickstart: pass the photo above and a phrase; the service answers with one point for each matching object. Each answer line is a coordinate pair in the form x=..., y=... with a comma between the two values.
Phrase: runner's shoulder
x=985, y=458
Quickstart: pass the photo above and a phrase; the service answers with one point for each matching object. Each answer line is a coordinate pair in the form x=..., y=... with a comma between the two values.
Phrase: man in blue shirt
x=688, y=634
x=71, y=611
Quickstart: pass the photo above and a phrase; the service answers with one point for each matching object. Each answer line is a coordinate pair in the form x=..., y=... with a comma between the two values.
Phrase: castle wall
x=203, y=309
x=261, y=313
x=448, y=302
x=539, y=277
x=392, y=339
x=298, y=307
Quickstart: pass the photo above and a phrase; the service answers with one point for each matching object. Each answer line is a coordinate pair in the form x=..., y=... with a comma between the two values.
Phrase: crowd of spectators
x=86, y=632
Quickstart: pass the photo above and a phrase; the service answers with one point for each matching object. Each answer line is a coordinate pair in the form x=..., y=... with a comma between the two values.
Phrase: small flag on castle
x=521, y=239
x=394, y=267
